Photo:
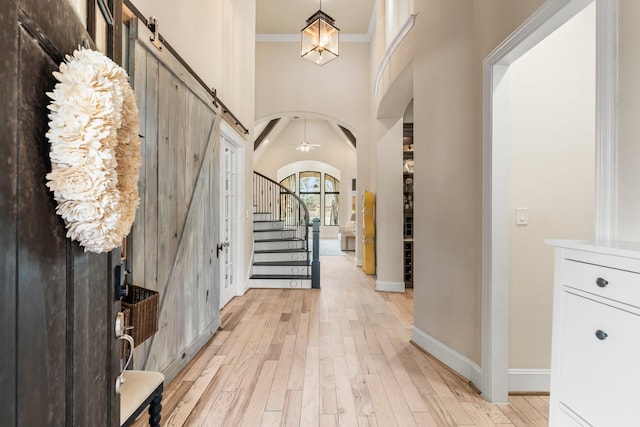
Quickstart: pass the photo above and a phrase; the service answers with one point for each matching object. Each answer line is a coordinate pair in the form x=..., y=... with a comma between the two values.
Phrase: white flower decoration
x=95, y=150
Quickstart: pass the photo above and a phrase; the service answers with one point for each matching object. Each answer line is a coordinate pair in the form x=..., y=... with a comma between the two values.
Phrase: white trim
x=529, y=380
x=404, y=31
x=295, y=38
x=358, y=262
x=495, y=251
x=389, y=286
x=454, y=360
x=307, y=165
x=373, y=23
x=607, y=123
x=234, y=139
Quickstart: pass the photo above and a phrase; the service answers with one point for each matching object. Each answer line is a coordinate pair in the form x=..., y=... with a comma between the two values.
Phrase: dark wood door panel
x=8, y=217
x=59, y=359
x=42, y=260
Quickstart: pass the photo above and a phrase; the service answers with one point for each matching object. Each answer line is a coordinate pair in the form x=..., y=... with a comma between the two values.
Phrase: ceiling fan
x=304, y=146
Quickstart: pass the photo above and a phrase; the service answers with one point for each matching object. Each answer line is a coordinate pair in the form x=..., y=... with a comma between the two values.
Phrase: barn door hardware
x=153, y=26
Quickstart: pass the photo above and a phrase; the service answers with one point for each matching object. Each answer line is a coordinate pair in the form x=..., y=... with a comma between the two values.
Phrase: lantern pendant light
x=320, y=38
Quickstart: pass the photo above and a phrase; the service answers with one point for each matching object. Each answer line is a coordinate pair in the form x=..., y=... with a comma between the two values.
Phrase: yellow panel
x=369, y=233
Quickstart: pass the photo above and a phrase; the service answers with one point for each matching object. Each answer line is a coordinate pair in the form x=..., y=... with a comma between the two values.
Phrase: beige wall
x=454, y=37
x=629, y=124
x=552, y=165
x=212, y=38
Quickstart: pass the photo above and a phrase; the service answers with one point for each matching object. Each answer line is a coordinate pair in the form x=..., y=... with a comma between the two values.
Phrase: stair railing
x=284, y=205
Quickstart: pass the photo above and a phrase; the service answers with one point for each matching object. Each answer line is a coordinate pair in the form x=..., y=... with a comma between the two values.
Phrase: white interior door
x=229, y=221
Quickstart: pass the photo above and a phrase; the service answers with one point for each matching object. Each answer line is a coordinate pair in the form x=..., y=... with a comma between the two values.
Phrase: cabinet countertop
x=609, y=247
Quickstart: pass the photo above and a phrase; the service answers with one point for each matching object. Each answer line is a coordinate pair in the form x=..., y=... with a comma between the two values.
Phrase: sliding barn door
x=175, y=232
x=58, y=360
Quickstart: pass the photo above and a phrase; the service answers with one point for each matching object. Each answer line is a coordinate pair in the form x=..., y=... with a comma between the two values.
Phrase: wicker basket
x=142, y=304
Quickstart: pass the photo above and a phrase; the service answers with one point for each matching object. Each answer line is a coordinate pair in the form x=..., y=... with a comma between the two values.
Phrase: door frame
x=228, y=135
x=495, y=249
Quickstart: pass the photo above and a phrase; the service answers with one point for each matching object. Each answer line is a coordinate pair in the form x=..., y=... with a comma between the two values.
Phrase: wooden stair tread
x=279, y=251
x=282, y=263
x=280, y=276
x=284, y=239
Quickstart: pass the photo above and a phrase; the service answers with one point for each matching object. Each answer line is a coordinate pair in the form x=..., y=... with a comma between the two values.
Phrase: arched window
x=331, y=200
x=310, y=192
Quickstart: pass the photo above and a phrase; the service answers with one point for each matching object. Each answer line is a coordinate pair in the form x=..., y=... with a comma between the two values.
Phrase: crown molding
x=295, y=38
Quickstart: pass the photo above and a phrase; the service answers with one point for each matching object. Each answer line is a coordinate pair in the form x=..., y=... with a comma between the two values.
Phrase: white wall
x=552, y=174
x=212, y=37
x=629, y=123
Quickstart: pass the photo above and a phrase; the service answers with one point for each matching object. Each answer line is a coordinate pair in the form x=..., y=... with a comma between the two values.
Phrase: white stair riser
x=267, y=246
x=280, y=283
x=280, y=256
x=261, y=217
x=276, y=234
x=277, y=270
x=269, y=225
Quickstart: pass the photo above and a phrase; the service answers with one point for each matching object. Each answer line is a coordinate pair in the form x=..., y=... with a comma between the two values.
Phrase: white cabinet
x=595, y=367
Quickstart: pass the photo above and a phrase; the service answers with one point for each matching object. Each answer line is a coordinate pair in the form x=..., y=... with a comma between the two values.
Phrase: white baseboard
x=242, y=289
x=529, y=380
x=389, y=286
x=456, y=361
x=358, y=262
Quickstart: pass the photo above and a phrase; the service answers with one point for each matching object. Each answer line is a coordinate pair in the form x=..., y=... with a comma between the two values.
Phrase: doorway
x=230, y=208
x=496, y=207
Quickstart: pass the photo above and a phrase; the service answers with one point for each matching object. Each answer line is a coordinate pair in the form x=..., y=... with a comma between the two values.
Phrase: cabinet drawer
x=599, y=375
x=618, y=285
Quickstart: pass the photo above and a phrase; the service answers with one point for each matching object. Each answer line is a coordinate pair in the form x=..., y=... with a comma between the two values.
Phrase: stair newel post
x=315, y=264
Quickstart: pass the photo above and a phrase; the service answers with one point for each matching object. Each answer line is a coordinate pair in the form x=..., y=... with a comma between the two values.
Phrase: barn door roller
x=153, y=25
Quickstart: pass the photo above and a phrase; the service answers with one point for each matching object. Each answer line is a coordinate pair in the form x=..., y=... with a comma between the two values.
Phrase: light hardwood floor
x=340, y=356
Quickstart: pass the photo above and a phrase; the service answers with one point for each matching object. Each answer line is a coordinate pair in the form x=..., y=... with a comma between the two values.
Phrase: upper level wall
x=286, y=82
x=213, y=38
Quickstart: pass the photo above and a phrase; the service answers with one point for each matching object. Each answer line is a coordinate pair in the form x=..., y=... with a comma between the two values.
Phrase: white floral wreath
x=95, y=150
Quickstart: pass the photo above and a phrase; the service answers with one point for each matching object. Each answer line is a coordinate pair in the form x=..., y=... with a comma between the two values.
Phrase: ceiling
x=289, y=17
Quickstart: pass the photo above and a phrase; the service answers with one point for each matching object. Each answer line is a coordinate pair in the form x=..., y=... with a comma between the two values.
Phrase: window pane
x=331, y=184
x=331, y=209
x=313, y=204
x=290, y=183
x=309, y=182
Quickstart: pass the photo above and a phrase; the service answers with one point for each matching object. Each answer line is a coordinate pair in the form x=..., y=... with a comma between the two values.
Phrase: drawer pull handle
x=601, y=335
x=601, y=282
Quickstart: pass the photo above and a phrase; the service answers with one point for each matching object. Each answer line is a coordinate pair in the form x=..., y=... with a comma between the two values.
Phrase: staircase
x=280, y=233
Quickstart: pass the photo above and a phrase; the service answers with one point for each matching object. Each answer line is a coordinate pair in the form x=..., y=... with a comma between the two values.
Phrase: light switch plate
x=522, y=216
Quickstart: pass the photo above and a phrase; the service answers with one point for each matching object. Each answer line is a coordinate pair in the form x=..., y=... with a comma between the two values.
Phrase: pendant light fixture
x=320, y=38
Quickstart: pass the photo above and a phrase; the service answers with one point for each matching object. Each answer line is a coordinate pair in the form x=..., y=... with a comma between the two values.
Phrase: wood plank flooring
x=339, y=356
